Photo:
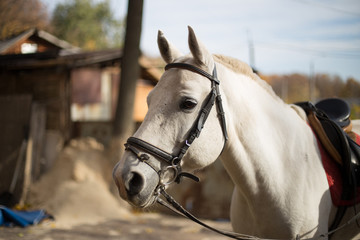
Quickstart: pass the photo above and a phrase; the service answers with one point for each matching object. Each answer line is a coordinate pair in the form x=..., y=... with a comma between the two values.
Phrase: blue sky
x=288, y=35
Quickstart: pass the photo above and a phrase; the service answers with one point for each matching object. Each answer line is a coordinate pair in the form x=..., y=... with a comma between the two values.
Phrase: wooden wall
x=47, y=86
x=14, y=126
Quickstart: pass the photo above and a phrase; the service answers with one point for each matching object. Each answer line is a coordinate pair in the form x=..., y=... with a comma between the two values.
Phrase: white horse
x=272, y=156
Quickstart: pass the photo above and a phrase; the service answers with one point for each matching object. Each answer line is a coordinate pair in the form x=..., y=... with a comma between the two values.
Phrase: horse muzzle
x=136, y=181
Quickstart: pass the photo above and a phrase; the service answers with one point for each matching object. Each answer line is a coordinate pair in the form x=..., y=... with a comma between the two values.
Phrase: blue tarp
x=10, y=217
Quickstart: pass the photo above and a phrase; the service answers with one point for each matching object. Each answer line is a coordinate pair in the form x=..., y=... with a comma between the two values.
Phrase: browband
x=192, y=68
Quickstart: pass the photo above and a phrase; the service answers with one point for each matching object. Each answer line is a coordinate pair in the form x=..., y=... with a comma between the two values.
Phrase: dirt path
x=139, y=227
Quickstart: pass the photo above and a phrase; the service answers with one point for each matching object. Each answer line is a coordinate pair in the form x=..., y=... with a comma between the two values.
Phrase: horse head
x=156, y=155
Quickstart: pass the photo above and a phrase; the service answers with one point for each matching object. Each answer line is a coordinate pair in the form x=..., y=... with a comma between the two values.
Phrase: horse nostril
x=134, y=183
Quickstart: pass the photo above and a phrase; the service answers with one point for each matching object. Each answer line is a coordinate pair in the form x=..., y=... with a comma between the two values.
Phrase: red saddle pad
x=333, y=175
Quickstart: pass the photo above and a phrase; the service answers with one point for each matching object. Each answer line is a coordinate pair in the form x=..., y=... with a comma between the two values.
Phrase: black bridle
x=174, y=160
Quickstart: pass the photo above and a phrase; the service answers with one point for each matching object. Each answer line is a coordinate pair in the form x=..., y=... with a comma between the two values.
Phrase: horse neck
x=273, y=160
x=264, y=136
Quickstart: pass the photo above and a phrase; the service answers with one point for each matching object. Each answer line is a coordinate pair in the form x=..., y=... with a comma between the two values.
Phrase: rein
x=174, y=206
x=173, y=161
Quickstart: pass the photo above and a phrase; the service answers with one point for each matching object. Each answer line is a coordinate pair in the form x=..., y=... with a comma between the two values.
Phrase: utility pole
x=285, y=89
x=123, y=125
x=251, y=49
x=312, y=82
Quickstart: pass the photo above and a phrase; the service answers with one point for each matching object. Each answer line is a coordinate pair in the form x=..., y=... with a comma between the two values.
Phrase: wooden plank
x=14, y=117
x=34, y=150
x=37, y=133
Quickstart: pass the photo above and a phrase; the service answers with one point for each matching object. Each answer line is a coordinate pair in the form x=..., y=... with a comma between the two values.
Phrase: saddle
x=330, y=120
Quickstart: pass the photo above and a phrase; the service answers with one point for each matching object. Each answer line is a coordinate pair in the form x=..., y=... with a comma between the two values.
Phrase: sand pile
x=76, y=190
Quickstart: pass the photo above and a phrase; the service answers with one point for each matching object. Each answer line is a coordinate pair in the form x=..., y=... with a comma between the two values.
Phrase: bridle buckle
x=163, y=179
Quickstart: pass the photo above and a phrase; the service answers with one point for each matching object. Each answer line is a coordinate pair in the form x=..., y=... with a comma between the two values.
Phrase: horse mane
x=240, y=67
x=235, y=65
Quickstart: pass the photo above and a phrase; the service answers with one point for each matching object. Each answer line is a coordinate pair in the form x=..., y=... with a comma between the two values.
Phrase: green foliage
x=87, y=24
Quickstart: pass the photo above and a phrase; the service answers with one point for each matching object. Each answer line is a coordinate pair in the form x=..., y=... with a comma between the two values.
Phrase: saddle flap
x=336, y=142
x=355, y=158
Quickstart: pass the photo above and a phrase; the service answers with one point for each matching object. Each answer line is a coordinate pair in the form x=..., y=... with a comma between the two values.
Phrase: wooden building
x=37, y=74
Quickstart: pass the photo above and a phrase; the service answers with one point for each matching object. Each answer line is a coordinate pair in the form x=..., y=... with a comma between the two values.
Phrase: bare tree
x=20, y=15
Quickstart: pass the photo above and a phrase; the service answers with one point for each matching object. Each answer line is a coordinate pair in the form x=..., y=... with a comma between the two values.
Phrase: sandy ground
x=76, y=192
x=139, y=227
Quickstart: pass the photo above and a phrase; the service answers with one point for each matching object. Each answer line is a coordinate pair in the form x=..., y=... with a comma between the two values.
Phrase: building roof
x=103, y=58
x=59, y=53
x=65, y=47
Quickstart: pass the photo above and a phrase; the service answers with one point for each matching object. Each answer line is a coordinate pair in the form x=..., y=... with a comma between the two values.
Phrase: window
x=29, y=48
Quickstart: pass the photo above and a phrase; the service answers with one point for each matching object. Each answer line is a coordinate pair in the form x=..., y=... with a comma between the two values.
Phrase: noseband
x=173, y=161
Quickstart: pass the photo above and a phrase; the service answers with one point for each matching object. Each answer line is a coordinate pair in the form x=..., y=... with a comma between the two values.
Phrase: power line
x=357, y=14
x=310, y=51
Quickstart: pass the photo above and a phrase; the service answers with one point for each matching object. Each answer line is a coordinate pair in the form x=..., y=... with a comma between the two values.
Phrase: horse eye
x=188, y=104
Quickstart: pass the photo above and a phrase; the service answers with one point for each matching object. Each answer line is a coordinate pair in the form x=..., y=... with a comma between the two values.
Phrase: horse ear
x=168, y=52
x=198, y=50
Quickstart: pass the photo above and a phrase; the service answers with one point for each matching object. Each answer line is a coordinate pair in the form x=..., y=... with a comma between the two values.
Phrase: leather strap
x=215, y=85
x=151, y=149
x=194, y=69
x=176, y=207
x=316, y=126
x=199, y=124
x=134, y=143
